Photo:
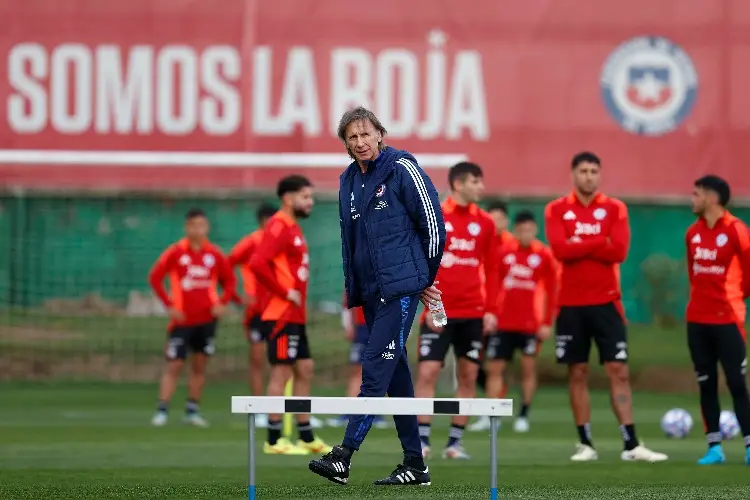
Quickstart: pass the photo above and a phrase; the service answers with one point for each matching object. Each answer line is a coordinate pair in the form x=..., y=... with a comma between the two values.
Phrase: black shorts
x=255, y=333
x=502, y=345
x=198, y=338
x=465, y=335
x=577, y=325
x=287, y=344
x=713, y=344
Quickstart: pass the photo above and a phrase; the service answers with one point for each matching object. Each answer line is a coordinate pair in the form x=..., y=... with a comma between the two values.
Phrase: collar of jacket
x=383, y=164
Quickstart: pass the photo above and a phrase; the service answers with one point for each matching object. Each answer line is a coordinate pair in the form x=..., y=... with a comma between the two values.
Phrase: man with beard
x=718, y=257
x=589, y=235
x=281, y=264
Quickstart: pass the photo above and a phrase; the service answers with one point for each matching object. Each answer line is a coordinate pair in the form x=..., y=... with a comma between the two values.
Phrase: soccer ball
x=728, y=425
x=676, y=423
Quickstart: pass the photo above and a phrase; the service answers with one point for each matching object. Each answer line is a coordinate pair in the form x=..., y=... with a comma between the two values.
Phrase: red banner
x=187, y=94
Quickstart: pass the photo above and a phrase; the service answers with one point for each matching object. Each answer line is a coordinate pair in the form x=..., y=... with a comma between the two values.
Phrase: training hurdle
x=251, y=405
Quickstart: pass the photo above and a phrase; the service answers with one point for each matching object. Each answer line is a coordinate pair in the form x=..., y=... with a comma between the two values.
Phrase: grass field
x=93, y=442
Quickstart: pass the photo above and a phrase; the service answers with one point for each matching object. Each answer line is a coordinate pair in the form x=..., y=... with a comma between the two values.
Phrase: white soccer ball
x=676, y=423
x=728, y=425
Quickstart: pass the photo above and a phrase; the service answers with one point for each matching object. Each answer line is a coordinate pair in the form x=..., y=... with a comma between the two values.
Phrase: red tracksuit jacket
x=240, y=256
x=719, y=269
x=589, y=242
x=529, y=280
x=193, y=276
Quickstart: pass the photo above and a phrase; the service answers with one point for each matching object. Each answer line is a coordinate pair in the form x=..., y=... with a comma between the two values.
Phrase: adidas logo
x=391, y=347
x=621, y=355
x=569, y=215
x=408, y=477
x=696, y=239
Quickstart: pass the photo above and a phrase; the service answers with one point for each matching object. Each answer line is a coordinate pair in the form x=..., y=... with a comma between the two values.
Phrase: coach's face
x=362, y=140
x=196, y=228
x=586, y=177
x=302, y=202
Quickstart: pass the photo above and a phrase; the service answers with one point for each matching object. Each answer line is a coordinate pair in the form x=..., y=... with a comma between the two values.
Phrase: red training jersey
x=589, y=242
x=529, y=279
x=281, y=263
x=240, y=256
x=468, y=270
x=502, y=238
x=357, y=313
x=193, y=276
x=719, y=269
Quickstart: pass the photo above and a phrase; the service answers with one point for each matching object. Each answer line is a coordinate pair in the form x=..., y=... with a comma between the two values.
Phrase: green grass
x=93, y=442
x=44, y=333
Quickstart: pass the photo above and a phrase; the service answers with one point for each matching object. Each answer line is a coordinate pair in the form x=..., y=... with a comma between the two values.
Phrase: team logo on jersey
x=534, y=260
x=649, y=85
x=721, y=240
x=600, y=214
x=209, y=260
x=185, y=260
x=474, y=229
x=381, y=191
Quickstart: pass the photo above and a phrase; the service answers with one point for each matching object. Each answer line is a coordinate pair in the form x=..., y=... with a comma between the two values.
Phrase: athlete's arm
x=163, y=265
x=562, y=248
x=616, y=249
x=272, y=244
x=227, y=278
x=491, y=264
x=550, y=288
x=743, y=239
x=689, y=256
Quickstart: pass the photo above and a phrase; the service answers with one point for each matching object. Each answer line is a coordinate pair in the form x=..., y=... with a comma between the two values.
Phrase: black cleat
x=333, y=466
x=405, y=475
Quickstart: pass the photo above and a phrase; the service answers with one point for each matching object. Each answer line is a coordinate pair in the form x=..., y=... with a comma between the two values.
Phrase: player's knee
x=528, y=367
x=578, y=374
x=428, y=372
x=617, y=372
x=495, y=368
x=466, y=375
x=174, y=366
x=304, y=369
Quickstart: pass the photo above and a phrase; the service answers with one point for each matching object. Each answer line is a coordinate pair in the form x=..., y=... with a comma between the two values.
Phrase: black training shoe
x=405, y=475
x=333, y=466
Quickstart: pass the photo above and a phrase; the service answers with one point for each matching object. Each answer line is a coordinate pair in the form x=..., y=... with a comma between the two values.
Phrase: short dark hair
x=524, y=216
x=265, y=211
x=194, y=212
x=585, y=157
x=717, y=185
x=292, y=184
x=461, y=170
x=360, y=113
x=498, y=205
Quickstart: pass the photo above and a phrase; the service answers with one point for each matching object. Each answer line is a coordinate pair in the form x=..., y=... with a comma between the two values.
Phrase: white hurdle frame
x=252, y=405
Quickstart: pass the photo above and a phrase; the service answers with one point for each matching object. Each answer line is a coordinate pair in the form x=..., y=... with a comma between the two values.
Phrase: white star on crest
x=648, y=87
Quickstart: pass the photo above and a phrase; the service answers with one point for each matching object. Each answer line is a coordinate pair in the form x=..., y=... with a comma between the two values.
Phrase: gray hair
x=360, y=113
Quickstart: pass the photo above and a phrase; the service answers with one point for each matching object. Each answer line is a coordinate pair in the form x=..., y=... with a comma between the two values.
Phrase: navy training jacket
x=404, y=224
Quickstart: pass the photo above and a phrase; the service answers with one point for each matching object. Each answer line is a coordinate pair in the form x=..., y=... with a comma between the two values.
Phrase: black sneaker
x=405, y=475
x=333, y=466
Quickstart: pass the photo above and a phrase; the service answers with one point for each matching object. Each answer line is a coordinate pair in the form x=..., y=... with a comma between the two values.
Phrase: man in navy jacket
x=393, y=234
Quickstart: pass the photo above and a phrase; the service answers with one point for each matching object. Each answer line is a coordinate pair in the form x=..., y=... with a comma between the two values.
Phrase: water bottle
x=439, y=318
